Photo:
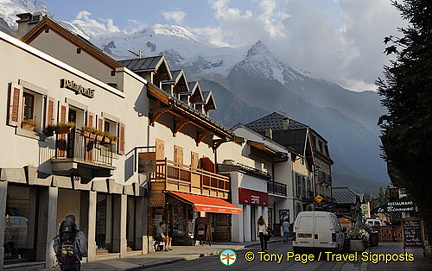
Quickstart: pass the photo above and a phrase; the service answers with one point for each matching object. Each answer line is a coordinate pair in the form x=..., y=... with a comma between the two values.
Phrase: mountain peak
x=258, y=48
x=173, y=30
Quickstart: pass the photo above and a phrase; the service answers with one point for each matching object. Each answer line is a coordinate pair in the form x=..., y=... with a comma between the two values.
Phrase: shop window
x=20, y=224
x=104, y=223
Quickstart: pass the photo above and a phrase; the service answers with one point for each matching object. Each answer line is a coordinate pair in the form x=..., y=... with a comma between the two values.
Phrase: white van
x=317, y=231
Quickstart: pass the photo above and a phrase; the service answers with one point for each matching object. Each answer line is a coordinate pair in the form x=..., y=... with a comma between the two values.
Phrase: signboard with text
x=252, y=197
x=412, y=232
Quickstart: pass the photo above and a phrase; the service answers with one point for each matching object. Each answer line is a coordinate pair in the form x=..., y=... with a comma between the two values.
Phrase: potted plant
x=28, y=124
x=87, y=131
x=49, y=130
x=99, y=134
x=64, y=127
x=114, y=139
x=106, y=137
x=358, y=238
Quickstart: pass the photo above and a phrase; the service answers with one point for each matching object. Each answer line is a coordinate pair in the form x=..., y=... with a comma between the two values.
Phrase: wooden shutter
x=15, y=104
x=178, y=155
x=100, y=124
x=89, y=141
x=194, y=159
x=61, y=139
x=49, y=112
x=160, y=149
x=90, y=118
x=121, y=147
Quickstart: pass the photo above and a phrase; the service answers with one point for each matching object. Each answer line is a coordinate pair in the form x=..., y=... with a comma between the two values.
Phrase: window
x=320, y=146
x=28, y=105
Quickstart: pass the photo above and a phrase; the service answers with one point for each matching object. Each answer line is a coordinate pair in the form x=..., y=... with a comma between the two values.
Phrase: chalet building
x=141, y=137
x=185, y=184
x=311, y=164
x=260, y=173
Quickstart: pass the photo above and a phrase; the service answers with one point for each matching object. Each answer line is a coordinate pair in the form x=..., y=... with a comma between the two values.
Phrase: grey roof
x=142, y=64
x=294, y=138
x=175, y=75
x=274, y=121
x=344, y=195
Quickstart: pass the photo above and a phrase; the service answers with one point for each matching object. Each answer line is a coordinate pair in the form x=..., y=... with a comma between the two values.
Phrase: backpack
x=66, y=249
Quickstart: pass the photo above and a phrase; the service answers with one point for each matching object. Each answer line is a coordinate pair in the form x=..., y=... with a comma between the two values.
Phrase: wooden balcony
x=176, y=177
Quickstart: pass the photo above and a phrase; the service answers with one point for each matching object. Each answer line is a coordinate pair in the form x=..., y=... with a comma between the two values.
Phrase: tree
x=407, y=93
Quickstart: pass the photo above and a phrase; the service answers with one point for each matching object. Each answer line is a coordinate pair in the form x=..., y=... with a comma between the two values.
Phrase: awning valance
x=208, y=204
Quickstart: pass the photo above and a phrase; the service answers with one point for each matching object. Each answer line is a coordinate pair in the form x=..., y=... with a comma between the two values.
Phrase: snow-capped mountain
x=9, y=9
x=250, y=81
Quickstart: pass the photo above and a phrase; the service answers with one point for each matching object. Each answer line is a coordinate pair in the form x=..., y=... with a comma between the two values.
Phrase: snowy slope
x=10, y=8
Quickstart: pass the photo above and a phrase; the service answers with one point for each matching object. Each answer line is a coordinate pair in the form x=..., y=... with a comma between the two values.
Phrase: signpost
x=412, y=232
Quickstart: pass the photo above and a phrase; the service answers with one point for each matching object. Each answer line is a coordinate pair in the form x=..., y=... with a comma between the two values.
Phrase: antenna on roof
x=139, y=55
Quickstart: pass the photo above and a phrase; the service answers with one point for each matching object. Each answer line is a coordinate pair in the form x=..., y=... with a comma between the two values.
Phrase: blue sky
x=339, y=40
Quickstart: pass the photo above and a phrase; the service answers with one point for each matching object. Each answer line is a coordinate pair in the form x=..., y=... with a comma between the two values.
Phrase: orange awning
x=208, y=204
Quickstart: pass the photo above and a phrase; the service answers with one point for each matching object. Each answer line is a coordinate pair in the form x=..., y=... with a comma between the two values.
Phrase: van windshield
x=336, y=225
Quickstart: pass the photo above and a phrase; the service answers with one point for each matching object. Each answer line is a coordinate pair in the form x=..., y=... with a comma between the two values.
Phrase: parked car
x=375, y=222
x=317, y=231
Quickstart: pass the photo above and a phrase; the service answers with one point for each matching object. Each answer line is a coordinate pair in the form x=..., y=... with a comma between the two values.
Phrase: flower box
x=28, y=124
x=28, y=127
x=61, y=131
x=357, y=246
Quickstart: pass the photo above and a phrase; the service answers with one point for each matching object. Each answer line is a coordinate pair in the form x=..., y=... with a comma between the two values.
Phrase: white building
x=261, y=181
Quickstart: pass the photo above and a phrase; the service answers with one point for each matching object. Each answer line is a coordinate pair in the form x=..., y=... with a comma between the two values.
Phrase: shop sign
x=252, y=197
x=79, y=89
x=403, y=205
x=156, y=199
x=146, y=162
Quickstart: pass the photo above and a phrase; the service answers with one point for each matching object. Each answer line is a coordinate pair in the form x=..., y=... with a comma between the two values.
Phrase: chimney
x=28, y=21
x=269, y=133
x=285, y=123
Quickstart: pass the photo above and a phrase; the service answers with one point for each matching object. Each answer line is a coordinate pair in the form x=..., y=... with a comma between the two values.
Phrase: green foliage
x=407, y=94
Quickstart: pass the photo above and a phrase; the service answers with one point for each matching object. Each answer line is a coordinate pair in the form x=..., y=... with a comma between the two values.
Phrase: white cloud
x=176, y=16
x=214, y=35
x=84, y=18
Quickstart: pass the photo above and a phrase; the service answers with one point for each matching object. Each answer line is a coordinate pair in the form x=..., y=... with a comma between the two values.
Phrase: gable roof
x=195, y=92
x=209, y=101
x=275, y=121
x=74, y=38
x=344, y=195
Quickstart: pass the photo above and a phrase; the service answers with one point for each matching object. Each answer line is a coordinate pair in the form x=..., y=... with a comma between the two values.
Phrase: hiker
x=70, y=245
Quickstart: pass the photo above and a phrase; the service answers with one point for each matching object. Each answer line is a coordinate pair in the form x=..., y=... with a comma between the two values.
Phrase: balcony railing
x=177, y=177
x=83, y=149
x=277, y=188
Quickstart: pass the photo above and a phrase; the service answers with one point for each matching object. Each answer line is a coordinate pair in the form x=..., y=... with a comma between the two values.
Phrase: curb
x=192, y=257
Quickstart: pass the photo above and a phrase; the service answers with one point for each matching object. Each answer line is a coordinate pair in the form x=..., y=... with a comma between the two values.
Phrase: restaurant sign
x=402, y=205
x=252, y=197
x=79, y=89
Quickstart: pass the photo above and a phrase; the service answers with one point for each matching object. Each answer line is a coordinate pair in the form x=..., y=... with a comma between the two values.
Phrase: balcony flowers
x=62, y=127
x=28, y=124
x=103, y=137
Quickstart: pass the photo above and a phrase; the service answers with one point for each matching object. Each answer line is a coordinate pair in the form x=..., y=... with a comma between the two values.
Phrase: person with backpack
x=70, y=245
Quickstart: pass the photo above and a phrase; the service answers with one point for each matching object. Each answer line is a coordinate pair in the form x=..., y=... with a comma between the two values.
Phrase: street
x=280, y=258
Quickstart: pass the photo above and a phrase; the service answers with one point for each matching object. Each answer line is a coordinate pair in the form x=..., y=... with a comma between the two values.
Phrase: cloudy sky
x=338, y=40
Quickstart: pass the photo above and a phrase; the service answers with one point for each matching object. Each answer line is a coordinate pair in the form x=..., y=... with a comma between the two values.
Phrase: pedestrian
x=286, y=230
x=262, y=233
x=70, y=245
x=160, y=234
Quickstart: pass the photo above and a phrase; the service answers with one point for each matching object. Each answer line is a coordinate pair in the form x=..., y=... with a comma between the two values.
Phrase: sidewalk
x=179, y=253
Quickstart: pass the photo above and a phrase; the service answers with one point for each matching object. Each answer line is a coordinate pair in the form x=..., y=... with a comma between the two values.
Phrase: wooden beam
x=178, y=125
x=217, y=143
x=201, y=135
x=155, y=114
